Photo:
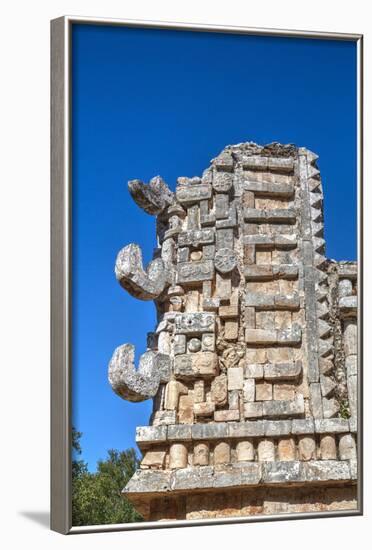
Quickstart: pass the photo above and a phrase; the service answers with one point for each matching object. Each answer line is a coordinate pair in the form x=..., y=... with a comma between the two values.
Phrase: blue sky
x=148, y=102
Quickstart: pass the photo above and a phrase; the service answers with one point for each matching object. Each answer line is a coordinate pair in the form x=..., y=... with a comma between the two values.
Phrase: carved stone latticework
x=253, y=364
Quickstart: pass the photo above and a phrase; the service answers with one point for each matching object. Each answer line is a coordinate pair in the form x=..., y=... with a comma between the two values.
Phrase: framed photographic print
x=216, y=174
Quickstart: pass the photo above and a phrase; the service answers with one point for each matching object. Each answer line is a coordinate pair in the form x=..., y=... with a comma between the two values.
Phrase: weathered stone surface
x=146, y=434
x=190, y=194
x=152, y=198
x=196, y=237
x=281, y=190
x=221, y=453
x=282, y=371
x=202, y=363
x=347, y=447
x=266, y=450
x=235, y=378
x=154, y=459
x=277, y=428
x=284, y=408
x=204, y=409
x=286, y=449
x=264, y=391
x=143, y=383
x=279, y=215
x=306, y=448
x=194, y=323
x=194, y=272
x=328, y=450
x=246, y=429
x=253, y=370
x=181, y=432
x=201, y=454
x=253, y=410
x=226, y=416
x=331, y=425
x=303, y=426
x=245, y=451
x=212, y=430
x=177, y=456
x=159, y=418
x=350, y=337
x=219, y=389
x=143, y=284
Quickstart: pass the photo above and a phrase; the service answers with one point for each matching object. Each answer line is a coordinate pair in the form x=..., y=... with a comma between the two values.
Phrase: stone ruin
x=252, y=367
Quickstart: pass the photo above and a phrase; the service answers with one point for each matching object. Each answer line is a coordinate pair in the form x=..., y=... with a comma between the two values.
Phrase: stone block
x=208, y=342
x=284, y=408
x=154, y=459
x=228, y=312
x=194, y=323
x=204, y=409
x=307, y=448
x=231, y=330
x=316, y=400
x=179, y=344
x=326, y=470
x=328, y=449
x=350, y=338
x=286, y=449
x=203, y=363
x=212, y=430
x=280, y=190
x=249, y=389
x=190, y=194
x=179, y=432
x=201, y=454
x=352, y=390
x=303, y=426
x=264, y=391
x=331, y=425
x=253, y=410
x=186, y=409
x=351, y=365
x=224, y=238
x=245, y=451
x=275, y=428
x=233, y=399
x=178, y=456
x=260, y=336
x=282, y=472
x=235, y=378
x=347, y=447
x=160, y=418
x=283, y=392
x=253, y=370
x=199, y=391
x=221, y=453
x=219, y=390
x=221, y=205
x=222, y=182
x=195, y=272
x=282, y=371
x=226, y=415
x=246, y=429
x=149, y=434
x=266, y=450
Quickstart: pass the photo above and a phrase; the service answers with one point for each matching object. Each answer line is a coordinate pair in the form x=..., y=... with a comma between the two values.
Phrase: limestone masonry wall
x=253, y=364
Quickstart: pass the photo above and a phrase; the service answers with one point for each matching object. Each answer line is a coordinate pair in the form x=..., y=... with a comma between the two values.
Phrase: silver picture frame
x=61, y=235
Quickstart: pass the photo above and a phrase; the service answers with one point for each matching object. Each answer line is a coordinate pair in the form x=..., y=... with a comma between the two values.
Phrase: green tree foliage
x=96, y=497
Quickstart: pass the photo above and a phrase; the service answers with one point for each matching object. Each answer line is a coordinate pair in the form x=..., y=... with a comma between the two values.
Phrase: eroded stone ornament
x=225, y=260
